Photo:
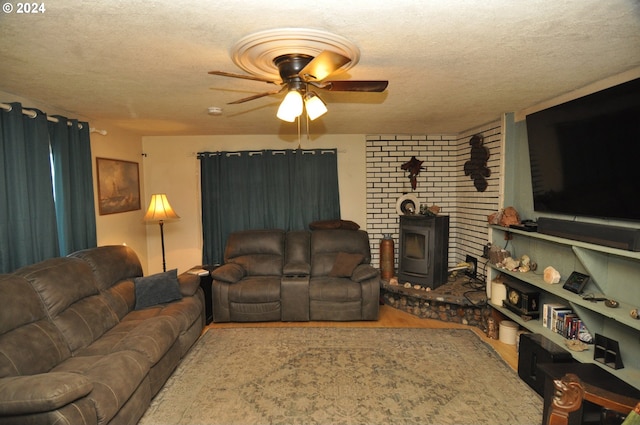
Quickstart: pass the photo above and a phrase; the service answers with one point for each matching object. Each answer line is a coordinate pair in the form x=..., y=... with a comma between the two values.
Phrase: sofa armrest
x=189, y=284
x=296, y=268
x=41, y=393
x=364, y=272
x=230, y=273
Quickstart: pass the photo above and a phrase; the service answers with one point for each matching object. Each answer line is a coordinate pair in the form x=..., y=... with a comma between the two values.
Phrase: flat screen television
x=585, y=155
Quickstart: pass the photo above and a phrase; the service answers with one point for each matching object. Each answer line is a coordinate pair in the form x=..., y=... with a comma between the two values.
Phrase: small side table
x=205, y=283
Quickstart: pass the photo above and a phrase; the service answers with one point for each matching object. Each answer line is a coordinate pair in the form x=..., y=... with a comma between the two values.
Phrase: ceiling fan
x=300, y=74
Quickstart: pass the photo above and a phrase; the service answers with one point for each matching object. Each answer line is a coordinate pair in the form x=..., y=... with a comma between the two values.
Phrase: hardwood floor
x=389, y=317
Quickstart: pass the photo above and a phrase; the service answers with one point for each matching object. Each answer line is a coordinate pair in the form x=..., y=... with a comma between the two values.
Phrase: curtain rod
x=273, y=152
x=32, y=114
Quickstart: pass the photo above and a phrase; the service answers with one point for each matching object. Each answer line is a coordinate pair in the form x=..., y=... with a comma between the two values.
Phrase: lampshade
x=291, y=106
x=159, y=209
x=315, y=106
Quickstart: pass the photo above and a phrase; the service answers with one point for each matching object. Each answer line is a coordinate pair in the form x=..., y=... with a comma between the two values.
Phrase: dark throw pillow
x=157, y=289
x=345, y=264
x=334, y=224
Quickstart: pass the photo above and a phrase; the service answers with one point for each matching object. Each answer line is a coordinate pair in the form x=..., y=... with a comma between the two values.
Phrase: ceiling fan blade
x=243, y=76
x=323, y=65
x=352, y=85
x=257, y=96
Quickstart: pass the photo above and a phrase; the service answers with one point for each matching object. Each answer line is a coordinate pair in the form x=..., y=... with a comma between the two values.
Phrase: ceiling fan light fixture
x=291, y=106
x=302, y=58
x=314, y=105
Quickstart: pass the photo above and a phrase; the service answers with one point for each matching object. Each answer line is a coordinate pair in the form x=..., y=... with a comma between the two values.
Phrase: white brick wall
x=442, y=183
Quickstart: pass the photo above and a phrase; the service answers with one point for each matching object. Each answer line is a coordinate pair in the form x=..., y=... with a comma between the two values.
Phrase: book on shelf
x=575, y=327
x=555, y=314
x=566, y=324
x=561, y=319
x=546, y=313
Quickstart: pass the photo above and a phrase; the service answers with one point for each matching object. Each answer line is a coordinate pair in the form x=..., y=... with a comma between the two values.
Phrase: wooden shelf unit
x=614, y=273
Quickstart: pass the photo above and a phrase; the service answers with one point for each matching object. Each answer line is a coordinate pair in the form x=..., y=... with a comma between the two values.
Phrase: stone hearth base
x=458, y=301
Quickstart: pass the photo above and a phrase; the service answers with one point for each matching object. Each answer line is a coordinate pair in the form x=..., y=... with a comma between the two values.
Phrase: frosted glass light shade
x=291, y=106
x=159, y=209
x=315, y=106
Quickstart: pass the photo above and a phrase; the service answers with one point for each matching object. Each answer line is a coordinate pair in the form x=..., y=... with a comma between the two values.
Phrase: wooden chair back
x=571, y=391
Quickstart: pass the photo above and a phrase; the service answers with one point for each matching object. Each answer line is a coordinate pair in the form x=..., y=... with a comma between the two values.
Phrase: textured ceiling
x=451, y=64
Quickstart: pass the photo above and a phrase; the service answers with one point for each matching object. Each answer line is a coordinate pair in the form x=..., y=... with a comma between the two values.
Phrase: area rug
x=343, y=376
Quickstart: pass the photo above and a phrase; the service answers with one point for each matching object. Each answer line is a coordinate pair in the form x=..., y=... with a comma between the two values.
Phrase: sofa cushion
x=115, y=377
x=326, y=244
x=152, y=338
x=258, y=289
x=70, y=295
x=121, y=297
x=60, y=282
x=33, y=348
x=29, y=342
x=334, y=289
x=111, y=264
x=114, y=268
x=159, y=288
x=41, y=393
x=345, y=264
x=20, y=303
x=259, y=252
x=185, y=312
x=86, y=321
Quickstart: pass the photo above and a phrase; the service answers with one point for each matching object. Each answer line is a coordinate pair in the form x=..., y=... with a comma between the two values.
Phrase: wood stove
x=424, y=250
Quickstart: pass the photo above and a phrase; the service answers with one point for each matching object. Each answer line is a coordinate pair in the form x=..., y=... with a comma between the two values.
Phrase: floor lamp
x=160, y=210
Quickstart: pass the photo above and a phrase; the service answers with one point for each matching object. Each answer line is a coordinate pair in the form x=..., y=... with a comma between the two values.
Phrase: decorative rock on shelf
x=551, y=275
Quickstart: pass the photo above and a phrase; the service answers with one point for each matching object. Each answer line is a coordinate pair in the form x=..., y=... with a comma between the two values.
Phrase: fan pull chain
x=299, y=137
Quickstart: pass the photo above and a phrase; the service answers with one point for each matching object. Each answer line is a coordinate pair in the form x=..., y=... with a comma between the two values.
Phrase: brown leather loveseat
x=85, y=339
x=273, y=275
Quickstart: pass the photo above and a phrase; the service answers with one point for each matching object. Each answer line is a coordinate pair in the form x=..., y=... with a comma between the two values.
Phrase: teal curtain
x=27, y=213
x=73, y=183
x=315, y=173
x=268, y=189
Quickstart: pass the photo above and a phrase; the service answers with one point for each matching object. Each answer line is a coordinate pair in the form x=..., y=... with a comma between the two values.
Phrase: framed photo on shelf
x=118, y=186
x=576, y=282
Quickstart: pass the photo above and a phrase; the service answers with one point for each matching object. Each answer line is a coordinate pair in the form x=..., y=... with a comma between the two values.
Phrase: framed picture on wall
x=118, y=186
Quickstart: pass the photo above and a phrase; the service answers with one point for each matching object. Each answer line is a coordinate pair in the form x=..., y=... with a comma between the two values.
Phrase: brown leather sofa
x=273, y=275
x=78, y=347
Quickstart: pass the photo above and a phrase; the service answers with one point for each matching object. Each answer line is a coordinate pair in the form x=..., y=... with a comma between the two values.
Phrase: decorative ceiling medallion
x=255, y=53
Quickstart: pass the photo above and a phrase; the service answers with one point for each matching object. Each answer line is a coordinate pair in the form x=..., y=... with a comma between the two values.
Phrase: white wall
x=127, y=227
x=171, y=167
x=470, y=228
